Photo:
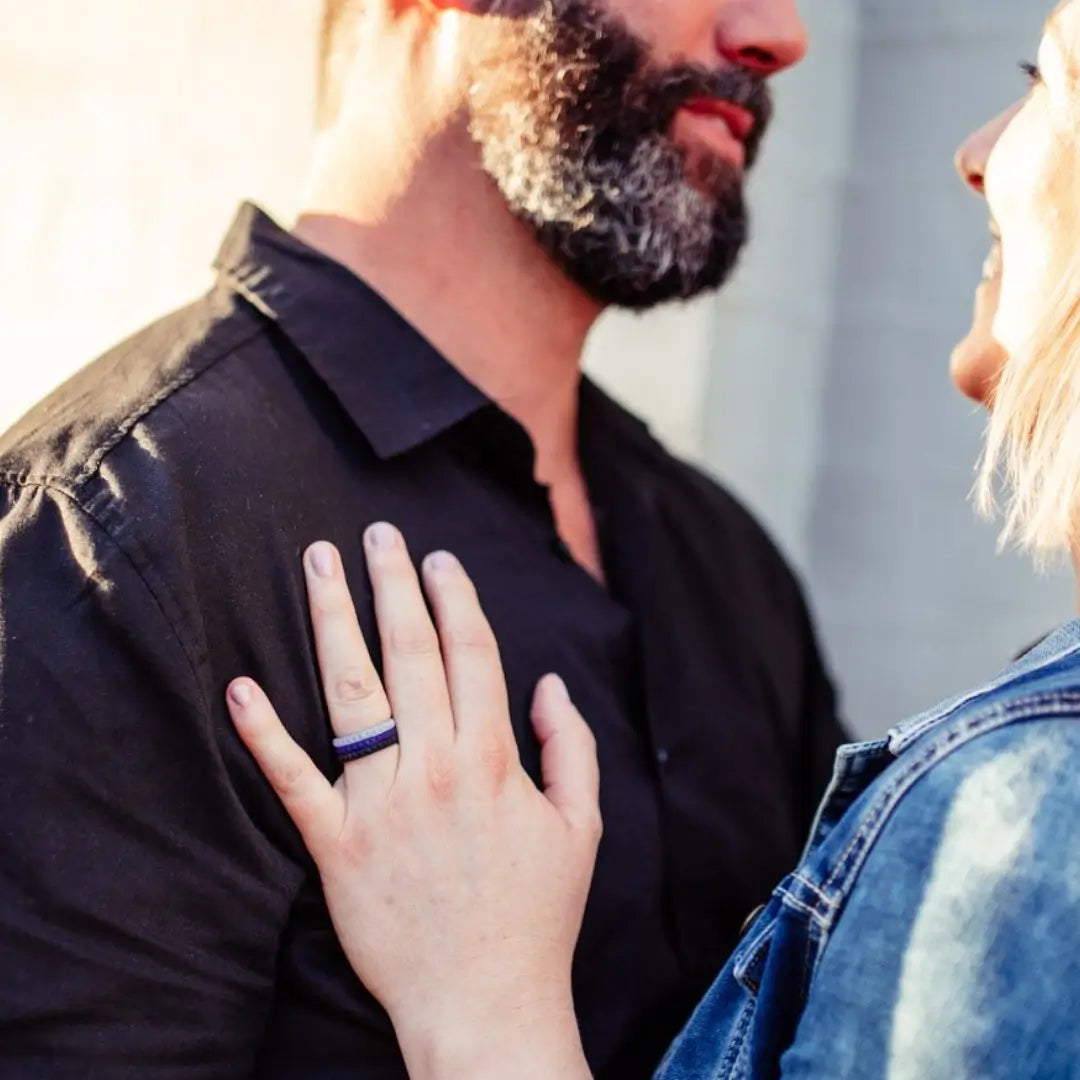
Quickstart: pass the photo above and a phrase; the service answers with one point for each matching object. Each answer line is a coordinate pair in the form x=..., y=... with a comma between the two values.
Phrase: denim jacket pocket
x=715, y=1044
x=755, y=1004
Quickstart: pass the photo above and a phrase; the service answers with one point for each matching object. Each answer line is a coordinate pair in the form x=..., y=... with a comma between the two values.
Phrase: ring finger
x=354, y=692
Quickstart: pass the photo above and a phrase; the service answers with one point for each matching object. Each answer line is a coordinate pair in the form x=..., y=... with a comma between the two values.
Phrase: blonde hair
x=1030, y=467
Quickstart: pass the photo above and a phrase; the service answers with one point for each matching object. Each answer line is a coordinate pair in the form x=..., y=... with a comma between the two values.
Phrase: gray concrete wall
x=816, y=384
x=828, y=401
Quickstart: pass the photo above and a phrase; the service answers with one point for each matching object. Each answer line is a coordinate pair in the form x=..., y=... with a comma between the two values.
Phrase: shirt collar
x=396, y=387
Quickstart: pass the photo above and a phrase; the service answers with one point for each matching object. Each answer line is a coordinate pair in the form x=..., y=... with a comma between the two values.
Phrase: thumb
x=567, y=755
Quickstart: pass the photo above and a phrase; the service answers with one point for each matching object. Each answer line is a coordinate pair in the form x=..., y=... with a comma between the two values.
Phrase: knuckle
x=413, y=640
x=441, y=776
x=496, y=759
x=326, y=604
x=355, y=686
x=469, y=637
x=593, y=824
x=357, y=846
x=288, y=780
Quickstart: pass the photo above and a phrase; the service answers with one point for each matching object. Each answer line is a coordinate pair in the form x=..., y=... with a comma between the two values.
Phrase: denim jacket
x=931, y=930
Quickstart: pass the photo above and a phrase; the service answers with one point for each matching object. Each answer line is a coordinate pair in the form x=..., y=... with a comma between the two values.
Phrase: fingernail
x=321, y=559
x=240, y=693
x=381, y=535
x=556, y=687
x=441, y=560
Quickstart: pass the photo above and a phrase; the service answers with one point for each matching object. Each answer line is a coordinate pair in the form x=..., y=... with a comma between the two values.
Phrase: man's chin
x=618, y=289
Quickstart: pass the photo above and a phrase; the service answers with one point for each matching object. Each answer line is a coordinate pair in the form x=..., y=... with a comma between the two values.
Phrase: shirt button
x=662, y=756
x=750, y=919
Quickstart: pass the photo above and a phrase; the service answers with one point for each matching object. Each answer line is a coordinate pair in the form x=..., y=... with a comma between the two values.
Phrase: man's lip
x=739, y=120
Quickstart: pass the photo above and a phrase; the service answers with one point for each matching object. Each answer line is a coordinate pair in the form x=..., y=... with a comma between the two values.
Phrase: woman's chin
x=975, y=365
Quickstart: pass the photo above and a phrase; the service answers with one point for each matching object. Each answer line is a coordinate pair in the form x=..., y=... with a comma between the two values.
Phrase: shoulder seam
x=1045, y=705
x=55, y=489
x=123, y=428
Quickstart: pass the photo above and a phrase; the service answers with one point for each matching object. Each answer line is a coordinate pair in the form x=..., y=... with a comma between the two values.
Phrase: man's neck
x=436, y=240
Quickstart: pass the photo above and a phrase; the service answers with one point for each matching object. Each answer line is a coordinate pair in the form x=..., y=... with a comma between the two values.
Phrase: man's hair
x=339, y=19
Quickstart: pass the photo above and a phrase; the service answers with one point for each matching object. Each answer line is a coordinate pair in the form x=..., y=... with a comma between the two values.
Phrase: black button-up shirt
x=159, y=917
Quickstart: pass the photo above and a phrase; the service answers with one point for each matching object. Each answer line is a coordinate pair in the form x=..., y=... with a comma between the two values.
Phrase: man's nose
x=975, y=151
x=764, y=36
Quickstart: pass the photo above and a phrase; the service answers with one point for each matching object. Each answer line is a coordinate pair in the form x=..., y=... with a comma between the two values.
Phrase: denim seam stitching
x=735, y=1043
x=823, y=931
x=823, y=897
x=1031, y=707
x=904, y=737
x=807, y=909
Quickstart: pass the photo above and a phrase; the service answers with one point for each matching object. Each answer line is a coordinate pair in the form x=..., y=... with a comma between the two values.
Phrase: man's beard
x=575, y=127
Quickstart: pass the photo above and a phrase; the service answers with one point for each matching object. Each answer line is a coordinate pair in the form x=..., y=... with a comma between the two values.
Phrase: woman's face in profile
x=1030, y=185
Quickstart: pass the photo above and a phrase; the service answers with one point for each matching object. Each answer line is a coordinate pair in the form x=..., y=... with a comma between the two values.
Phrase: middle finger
x=473, y=668
x=412, y=662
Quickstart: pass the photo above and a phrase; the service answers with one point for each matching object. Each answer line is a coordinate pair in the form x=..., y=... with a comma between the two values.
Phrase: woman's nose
x=975, y=151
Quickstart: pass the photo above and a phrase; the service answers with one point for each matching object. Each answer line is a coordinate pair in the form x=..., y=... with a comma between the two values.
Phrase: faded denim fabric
x=932, y=928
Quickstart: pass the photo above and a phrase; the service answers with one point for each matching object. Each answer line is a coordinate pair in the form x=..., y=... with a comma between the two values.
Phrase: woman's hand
x=456, y=887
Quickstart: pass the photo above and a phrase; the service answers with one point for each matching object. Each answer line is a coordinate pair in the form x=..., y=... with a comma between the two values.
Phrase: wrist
x=536, y=1040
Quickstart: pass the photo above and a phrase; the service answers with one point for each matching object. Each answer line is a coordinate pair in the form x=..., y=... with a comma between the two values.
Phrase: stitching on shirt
x=1033, y=707
x=123, y=429
x=245, y=280
x=93, y=463
x=59, y=491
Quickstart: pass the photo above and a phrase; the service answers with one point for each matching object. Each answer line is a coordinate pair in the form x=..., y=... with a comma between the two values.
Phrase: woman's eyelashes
x=1032, y=73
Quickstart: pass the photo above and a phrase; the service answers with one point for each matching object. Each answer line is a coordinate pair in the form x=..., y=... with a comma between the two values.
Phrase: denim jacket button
x=749, y=921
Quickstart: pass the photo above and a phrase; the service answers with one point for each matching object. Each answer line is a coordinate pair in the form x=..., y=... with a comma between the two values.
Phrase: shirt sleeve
x=141, y=901
x=957, y=954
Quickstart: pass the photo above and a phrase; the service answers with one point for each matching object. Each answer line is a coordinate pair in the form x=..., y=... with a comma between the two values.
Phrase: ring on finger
x=361, y=744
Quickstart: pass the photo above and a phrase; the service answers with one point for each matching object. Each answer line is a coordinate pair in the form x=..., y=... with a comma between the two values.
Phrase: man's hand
x=457, y=888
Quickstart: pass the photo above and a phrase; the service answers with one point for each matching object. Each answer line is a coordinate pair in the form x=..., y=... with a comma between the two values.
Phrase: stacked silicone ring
x=361, y=744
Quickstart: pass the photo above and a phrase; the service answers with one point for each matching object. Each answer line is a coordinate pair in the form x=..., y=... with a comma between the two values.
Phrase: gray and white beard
x=574, y=128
